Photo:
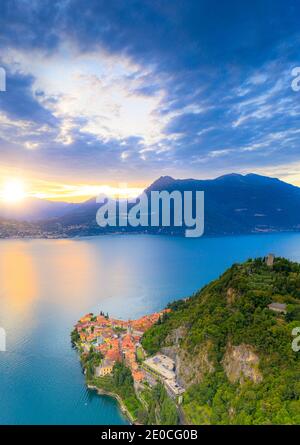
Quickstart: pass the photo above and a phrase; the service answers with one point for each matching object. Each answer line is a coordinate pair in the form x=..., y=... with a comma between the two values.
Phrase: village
x=120, y=341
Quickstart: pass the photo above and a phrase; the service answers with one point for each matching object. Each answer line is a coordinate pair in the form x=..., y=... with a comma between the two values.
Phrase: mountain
x=34, y=209
x=234, y=204
x=233, y=352
x=242, y=203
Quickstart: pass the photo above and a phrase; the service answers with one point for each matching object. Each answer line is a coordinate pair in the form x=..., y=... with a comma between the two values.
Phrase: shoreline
x=115, y=396
x=168, y=235
x=103, y=392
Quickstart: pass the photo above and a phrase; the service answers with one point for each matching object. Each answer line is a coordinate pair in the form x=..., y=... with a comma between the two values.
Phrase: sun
x=13, y=191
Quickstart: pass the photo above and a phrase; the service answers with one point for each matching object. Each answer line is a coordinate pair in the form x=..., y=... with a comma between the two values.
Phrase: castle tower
x=270, y=259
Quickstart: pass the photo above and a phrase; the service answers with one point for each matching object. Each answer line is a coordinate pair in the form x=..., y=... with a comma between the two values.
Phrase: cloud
x=127, y=90
x=99, y=89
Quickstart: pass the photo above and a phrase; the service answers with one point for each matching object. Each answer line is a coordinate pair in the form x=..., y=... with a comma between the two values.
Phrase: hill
x=233, y=353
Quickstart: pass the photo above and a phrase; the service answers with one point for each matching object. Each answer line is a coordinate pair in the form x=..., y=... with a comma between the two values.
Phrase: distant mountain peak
x=163, y=181
x=229, y=175
x=248, y=176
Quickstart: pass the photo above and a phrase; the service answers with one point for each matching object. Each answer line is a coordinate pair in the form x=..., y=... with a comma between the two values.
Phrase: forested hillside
x=232, y=352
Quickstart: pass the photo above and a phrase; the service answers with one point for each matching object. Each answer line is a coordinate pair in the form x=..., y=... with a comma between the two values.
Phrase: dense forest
x=233, y=353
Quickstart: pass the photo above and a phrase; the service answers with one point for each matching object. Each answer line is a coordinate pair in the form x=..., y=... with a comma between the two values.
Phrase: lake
x=47, y=285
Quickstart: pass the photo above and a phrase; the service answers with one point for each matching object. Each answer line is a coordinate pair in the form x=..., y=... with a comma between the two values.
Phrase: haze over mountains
x=34, y=209
x=234, y=204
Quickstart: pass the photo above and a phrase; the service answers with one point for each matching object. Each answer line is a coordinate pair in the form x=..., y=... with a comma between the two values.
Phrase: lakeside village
x=117, y=341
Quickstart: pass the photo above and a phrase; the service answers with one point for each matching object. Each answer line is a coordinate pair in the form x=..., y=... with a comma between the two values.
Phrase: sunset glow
x=13, y=191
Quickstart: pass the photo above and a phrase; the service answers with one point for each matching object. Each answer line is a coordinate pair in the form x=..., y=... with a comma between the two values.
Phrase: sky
x=118, y=93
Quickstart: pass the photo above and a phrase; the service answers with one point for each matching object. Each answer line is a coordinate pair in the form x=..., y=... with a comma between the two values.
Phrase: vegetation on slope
x=152, y=407
x=161, y=409
x=230, y=312
x=120, y=383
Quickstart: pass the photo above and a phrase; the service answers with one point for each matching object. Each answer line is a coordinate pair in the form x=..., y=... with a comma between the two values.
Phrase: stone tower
x=270, y=259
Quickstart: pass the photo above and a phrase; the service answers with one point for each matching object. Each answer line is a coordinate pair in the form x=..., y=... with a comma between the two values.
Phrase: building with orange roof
x=82, y=336
x=86, y=318
x=113, y=355
x=138, y=376
x=127, y=342
x=115, y=344
x=103, y=321
x=105, y=368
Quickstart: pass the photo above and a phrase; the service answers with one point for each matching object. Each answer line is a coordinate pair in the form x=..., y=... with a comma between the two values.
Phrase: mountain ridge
x=234, y=204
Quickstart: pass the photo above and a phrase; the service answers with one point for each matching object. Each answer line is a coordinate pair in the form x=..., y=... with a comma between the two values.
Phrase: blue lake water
x=47, y=285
